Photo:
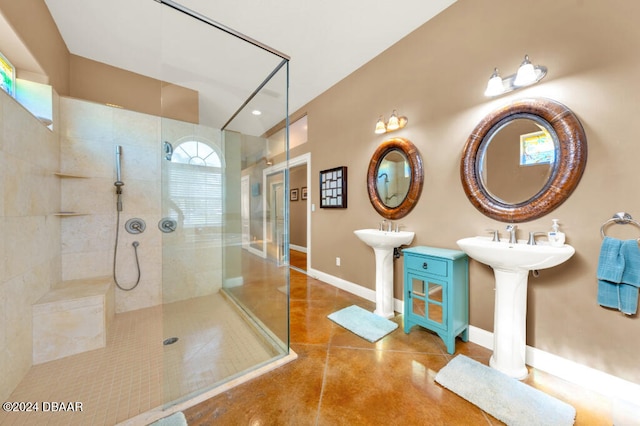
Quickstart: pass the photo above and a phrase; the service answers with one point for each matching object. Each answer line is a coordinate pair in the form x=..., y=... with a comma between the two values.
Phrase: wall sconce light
x=527, y=75
x=394, y=123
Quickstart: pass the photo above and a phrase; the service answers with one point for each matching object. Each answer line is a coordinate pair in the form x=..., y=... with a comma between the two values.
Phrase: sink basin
x=383, y=243
x=508, y=256
x=511, y=264
x=384, y=239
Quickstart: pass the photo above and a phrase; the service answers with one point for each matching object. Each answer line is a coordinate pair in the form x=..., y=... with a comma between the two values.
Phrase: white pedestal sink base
x=383, y=244
x=511, y=263
x=384, y=282
x=509, y=334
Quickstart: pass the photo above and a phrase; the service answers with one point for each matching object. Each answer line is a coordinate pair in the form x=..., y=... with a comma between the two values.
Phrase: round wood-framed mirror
x=394, y=178
x=566, y=163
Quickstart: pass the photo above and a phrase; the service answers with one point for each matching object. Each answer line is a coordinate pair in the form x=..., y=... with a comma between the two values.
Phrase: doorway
x=275, y=241
x=299, y=198
x=298, y=217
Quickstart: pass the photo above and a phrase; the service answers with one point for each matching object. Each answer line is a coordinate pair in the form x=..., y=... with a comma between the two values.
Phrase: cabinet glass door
x=418, y=301
x=427, y=299
x=435, y=299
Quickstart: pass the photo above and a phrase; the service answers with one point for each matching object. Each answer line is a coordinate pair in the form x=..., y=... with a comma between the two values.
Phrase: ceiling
x=326, y=41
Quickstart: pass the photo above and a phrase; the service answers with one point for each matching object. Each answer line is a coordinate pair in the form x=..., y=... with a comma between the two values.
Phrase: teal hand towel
x=619, y=275
x=631, y=255
x=610, y=261
x=628, y=287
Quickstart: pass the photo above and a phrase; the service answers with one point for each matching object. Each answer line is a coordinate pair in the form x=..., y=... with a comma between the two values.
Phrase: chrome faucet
x=496, y=234
x=532, y=237
x=512, y=234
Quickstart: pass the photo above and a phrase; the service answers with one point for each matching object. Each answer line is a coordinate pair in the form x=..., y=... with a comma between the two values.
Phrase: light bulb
x=526, y=73
x=380, y=127
x=393, y=123
x=494, y=86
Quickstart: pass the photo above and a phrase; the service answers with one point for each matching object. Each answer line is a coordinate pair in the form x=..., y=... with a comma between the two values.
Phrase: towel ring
x=621, y=218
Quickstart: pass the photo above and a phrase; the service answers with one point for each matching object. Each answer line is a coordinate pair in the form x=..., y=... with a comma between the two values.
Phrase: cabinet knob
x=425, y=265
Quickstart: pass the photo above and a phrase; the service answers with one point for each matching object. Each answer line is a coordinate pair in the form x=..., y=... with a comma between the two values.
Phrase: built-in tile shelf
x=68, y=175
x=69, y=214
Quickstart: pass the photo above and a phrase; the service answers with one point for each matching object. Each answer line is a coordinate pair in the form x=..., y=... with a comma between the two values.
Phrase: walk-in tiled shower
x=171, y=207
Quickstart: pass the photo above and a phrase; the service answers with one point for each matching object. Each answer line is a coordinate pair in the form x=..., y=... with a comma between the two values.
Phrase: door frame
x=286, y=165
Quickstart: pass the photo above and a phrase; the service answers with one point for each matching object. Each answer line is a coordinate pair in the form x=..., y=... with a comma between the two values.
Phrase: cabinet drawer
x=427, y=264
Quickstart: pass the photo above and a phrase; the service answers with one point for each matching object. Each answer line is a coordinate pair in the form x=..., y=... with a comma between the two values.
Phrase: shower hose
x=115, y=252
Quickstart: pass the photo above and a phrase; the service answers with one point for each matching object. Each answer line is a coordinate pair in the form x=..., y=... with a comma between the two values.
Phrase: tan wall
x=32, y=23
x=436, y=77
x=72, y=75
x=102, y=83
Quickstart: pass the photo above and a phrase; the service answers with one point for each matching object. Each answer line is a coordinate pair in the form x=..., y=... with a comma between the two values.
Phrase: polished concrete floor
x=341, y=379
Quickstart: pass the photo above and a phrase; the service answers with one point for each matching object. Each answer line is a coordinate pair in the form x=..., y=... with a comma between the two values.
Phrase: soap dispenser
x=555, y=236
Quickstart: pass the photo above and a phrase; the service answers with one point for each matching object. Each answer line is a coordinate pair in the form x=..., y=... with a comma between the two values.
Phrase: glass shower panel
x=260, y=282
x=225, y=302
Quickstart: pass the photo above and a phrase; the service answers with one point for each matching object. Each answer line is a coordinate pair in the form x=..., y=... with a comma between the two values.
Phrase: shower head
x=168, y=150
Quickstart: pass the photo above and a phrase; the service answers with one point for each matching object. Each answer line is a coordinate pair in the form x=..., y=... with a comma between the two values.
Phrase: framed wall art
x=293, y=196
x=303, y=193
x=333, y=188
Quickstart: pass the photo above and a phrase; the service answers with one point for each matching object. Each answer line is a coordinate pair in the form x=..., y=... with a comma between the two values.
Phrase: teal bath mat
x=176, y=419
x=505, y=398
x=363, y=323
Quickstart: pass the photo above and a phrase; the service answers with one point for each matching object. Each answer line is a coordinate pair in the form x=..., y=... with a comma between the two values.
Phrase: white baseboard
x=345, y=285
x=257, y=252
x=298, y=248
x=358, y=290
x=481, y=337
x=626, y=393
x=568, y=370
x=234, y=282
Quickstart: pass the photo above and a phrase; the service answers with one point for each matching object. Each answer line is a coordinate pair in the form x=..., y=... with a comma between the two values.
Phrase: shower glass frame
x=205, y=257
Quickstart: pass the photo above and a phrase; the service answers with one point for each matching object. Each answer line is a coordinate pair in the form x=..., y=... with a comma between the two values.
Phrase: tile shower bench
x=73, y=317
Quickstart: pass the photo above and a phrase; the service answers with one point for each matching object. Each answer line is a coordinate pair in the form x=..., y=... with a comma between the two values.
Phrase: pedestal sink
x=383, y=243
x=511, y=264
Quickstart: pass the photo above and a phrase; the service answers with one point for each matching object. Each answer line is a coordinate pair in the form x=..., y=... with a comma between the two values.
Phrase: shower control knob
x=167, y=225
x=135, y=226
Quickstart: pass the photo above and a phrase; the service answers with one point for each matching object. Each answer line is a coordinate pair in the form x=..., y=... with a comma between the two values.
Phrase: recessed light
x=256, y=112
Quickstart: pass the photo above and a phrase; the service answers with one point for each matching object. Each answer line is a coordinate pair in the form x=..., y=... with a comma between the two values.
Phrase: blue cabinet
x=436, y=292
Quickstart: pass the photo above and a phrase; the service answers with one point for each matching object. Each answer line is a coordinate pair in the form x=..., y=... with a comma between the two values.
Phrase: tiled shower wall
x=89, y=133
x=88, y=137
x=39, y=248
x=30, y=242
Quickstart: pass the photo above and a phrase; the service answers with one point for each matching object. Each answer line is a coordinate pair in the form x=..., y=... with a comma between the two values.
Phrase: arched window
x=195, y=184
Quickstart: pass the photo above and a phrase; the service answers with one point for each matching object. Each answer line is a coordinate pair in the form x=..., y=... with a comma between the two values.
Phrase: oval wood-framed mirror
x=394, y=178
x=568, y=164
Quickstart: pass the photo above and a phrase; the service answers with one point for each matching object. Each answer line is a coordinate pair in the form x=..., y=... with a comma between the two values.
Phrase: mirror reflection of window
x=536, y=148
x=503, y=174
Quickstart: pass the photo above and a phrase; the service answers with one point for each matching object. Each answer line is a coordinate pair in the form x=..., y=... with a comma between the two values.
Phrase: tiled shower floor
x=135, y=372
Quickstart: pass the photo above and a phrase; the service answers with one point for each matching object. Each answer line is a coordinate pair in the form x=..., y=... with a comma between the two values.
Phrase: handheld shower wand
x=118, y=183
x=118, y=168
